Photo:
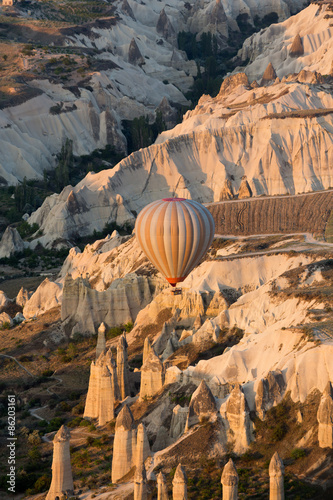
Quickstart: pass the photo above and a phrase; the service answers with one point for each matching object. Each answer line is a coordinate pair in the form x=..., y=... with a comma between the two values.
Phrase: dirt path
x=21, y=366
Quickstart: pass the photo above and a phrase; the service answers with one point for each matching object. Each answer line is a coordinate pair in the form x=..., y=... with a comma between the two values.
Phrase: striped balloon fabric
x=175, y=233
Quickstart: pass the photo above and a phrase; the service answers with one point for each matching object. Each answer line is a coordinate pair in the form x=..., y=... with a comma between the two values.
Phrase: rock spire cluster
x=62, y=478
x=108, y=382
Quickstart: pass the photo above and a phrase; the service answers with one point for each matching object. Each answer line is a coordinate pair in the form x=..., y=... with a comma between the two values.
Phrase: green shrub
x=297, y=453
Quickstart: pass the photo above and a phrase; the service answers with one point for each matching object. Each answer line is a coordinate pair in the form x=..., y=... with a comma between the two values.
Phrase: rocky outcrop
x=269, y=75
x=152, y=376
x=126, y=8
x=178, y=421
x=276, y=481
x=179, y=484
x=162, y=488
x=84, y=308
x=5, y=319
x=142, y=450
x=11, y=242
x=100, y=347
x=4, y=301
x=232, y=82
x=140, y=483
x=147, y=349
x=22, y=297
x=238, y=416
x=244, y=189
x=134, y=54
x=47, y=296
x=124, y=444
x=229, y=481
x=122, y=367
x=106, y=397
x=164, y=27
x=169, y=113
x=269, y=392
x=112, y=366
x=202, y=406
x=227, y=191
x=325, y=418
x=296, y=48
x=62, y=478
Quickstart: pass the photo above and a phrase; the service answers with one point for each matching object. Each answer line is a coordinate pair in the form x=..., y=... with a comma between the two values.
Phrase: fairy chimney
x=92, y=400
x=147, y=349
x=238, y=416
x=106, y=401
x=202, y=405
x=296, y=48
x=100, y=347
x=244, y=189
x=229, y=481
x=142, y=451
x=269, y=75
x=152, y=376
x=227, y=191
x=122, y=368
x=134, y=54
x=276, y=483
x=124, y=444
x=111, y=364
x=62, y=478
x=179, y=484
x=325, y=418
x=162, y=488
x=140, y=483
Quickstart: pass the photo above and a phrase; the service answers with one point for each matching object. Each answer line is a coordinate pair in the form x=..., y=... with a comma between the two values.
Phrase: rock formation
x=22, y=297
x=91, y=408
x=178, y=421
x=238, y=416
x=244, y=189
x=106, y=397
x=11, y=242
x=202, y=405
x=164, y=26
x=47, y=296
x=152, y=376
x=126, y=8
x=147, y=349
x=62, y=479
x=112, y=366
x=142, y=450
x=84, y=308
x=276, y=482
x=100, y=347
x=325, y=418
x=231, y=82
x=179, y=484
x=4, y=301
x=227, y=191
x=122, y=367
x=229, y=481
x=134, y=54
x=269, y=75
x=269, y=392
x=124, y=444
x=162, y=488
x=140, y=483
x=296, y=48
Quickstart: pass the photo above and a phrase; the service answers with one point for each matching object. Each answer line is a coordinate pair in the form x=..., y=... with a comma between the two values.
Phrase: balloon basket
x=176, y=291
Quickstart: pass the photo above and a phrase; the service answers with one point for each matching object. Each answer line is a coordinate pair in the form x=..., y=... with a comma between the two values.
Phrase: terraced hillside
x=276, y=214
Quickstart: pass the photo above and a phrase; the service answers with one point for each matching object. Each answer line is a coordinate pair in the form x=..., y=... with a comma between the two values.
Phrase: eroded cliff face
x=239, y=133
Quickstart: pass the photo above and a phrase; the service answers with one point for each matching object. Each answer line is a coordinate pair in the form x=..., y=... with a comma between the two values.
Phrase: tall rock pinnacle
x=179, y=484
x=100, y=347
x=124, y=444
x=122, y=367
x=229, y=481
x=62, y=478
x=276, y=483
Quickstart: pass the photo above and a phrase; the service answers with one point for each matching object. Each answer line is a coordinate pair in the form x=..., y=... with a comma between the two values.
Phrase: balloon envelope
x=175, y=233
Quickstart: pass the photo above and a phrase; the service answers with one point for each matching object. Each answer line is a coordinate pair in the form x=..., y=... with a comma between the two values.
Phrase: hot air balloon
x=175, y=233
